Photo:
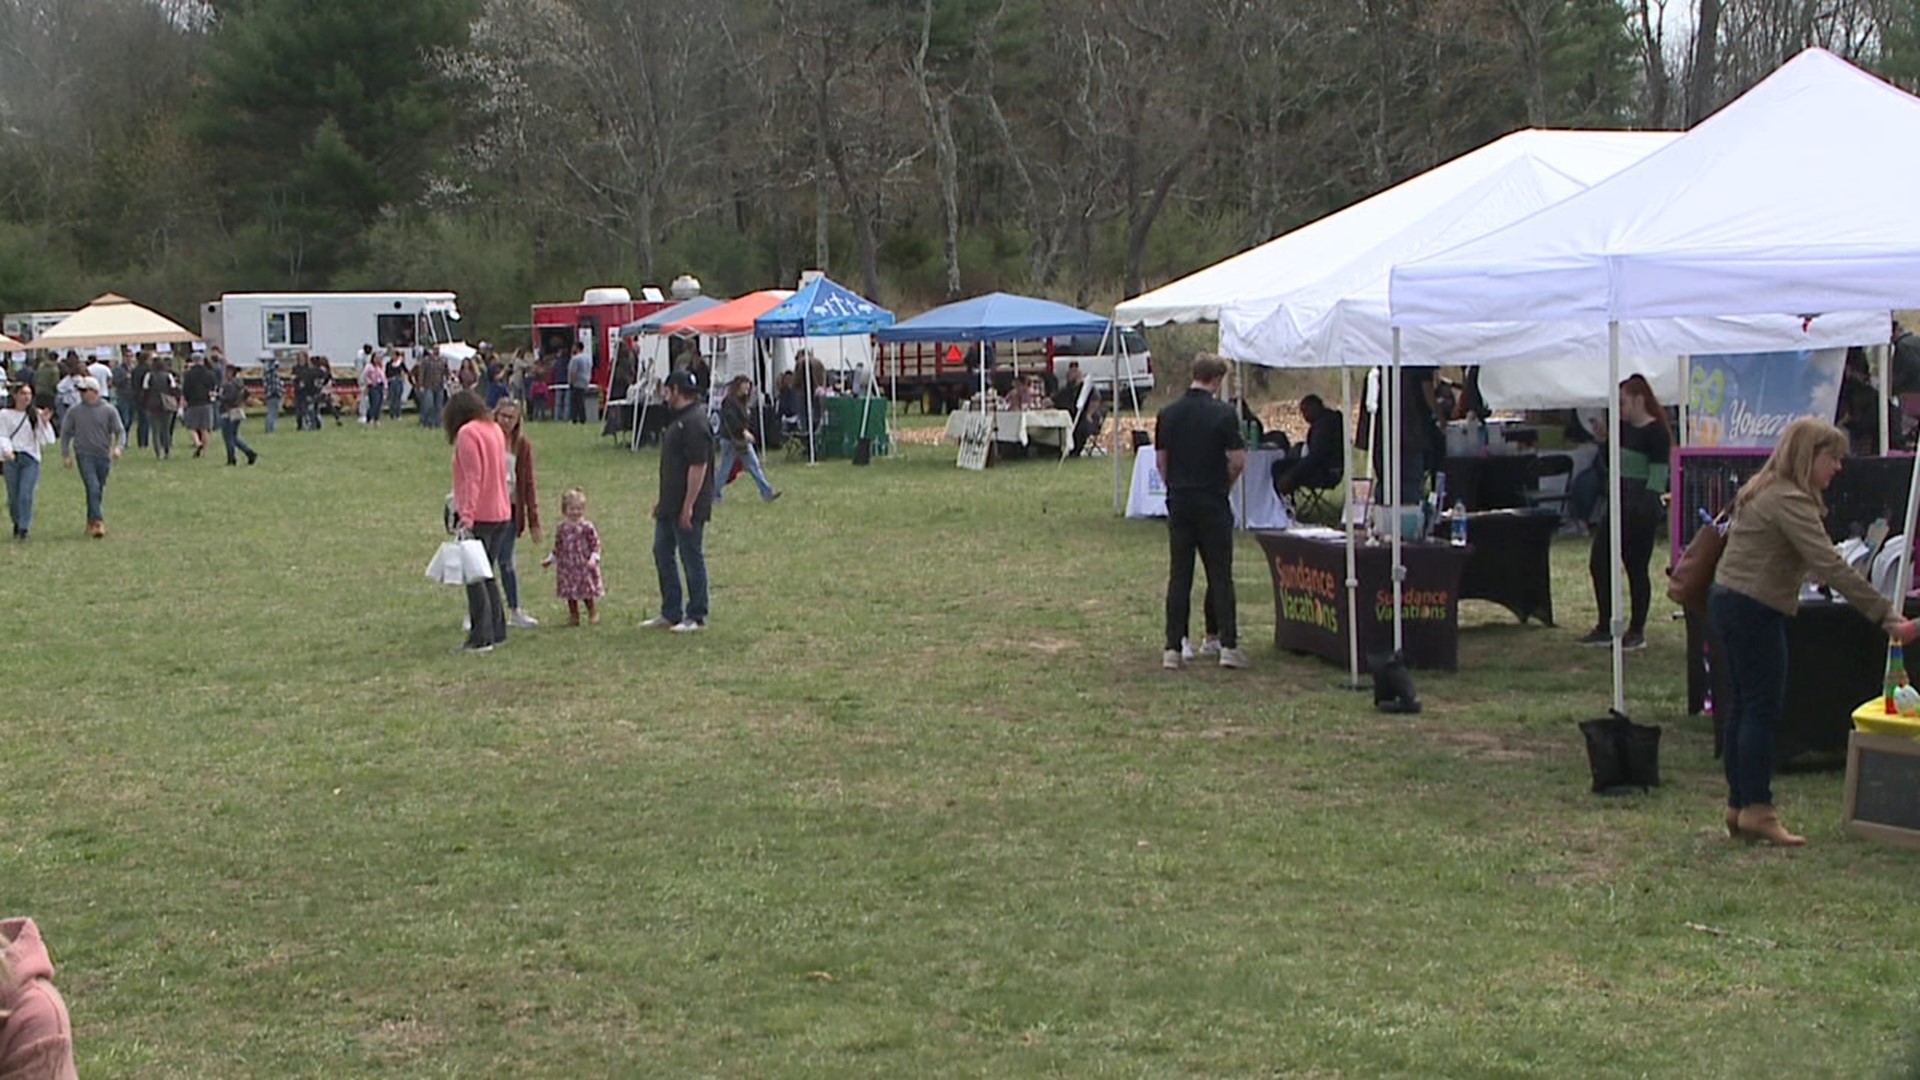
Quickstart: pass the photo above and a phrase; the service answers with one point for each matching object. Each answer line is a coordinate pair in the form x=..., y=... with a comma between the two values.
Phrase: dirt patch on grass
x=403, y=1038
x=1591, y=856
x=1488, y=745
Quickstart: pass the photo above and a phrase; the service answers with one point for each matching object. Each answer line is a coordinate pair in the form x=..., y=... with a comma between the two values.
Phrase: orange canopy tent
x=732, y=317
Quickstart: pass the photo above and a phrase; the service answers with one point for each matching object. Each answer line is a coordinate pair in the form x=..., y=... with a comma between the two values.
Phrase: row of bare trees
x=918, y=149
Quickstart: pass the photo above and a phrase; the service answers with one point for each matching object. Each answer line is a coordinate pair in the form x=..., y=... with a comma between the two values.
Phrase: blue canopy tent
x=822, y=308
x=1000, y=317
x=997, y=317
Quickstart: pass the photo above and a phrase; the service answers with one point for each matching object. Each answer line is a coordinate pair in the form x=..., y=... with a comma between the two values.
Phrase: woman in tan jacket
x=1775, y=542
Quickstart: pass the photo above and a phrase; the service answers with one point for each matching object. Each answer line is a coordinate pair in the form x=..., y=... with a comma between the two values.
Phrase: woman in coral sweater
x=481, y=506
x=36, y=1036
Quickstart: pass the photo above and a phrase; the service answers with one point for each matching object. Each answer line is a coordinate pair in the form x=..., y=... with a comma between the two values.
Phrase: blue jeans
x=230, y=435
x=730, y=450
x=93, y=474
x=376, y=400
x=273, y=411
x=396, y=392
x=123, y=404
x=669, y=540
x=1753, y=638
x=509, y=574
x=23, y=475
x=432, y=400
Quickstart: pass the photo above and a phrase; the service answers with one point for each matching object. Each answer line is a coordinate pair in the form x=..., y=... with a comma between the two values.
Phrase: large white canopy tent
x=1764, y=207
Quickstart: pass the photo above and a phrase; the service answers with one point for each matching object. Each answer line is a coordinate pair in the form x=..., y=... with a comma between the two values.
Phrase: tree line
x=517, y=150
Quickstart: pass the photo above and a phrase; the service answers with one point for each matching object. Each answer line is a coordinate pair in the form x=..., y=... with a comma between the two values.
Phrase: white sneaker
x=1186, y=648
x=466, y=623
x=689, y=627
x=522, y=619
x=1210, y=647
x=1172, y=660
x=658, y=622
x=1234, y=658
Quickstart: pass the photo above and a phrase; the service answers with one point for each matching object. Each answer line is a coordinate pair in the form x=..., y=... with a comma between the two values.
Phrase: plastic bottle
x=1896, y=675
x=1458, y=518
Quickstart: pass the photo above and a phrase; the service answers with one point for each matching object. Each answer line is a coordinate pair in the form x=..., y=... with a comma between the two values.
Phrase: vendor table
x=1048, y=427
x=1311, y=615
x=1512, y=563
x=1835, y=660
x=1261, y=508
x=1494, y=482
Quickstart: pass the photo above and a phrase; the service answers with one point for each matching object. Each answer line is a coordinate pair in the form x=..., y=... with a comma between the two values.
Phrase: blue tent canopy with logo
x=997, y=317
x=822, y=309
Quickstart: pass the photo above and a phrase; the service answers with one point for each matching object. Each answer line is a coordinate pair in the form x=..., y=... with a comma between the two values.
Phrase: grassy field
x=920, y=804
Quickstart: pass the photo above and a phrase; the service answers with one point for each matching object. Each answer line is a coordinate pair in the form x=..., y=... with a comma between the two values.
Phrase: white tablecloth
x=1255, y=506
x=1049, y=427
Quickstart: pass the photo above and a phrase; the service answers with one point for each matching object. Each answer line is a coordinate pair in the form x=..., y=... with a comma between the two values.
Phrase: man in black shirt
x=686, y=501
x=1201, y=452
x=1319, y=462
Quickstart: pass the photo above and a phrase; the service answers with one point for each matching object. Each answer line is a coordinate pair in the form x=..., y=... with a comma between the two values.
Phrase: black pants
x=1637, y=528
x=1200, y=524
x=486, y=614
x=577, y=405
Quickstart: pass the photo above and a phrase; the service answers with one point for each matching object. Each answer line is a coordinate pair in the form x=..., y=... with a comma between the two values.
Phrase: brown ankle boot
x=1762, y=822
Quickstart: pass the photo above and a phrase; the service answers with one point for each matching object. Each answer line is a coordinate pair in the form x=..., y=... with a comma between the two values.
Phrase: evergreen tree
x=319, y=114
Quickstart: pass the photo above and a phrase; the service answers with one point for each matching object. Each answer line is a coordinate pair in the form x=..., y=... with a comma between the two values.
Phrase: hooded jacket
x=36, y=1038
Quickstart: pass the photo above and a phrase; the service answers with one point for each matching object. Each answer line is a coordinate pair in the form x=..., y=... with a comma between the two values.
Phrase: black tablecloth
x=1512, y=562
x=1836, y=659
x=1310, y=598
x=1489, y=483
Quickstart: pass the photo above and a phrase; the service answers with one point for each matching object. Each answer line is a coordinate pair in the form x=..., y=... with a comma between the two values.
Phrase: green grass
x=920, y=804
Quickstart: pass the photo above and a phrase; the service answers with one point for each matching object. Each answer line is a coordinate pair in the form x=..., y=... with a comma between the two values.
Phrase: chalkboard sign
x=1883, y=789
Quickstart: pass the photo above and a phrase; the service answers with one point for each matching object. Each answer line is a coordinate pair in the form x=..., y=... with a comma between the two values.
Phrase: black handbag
x=1622, y=755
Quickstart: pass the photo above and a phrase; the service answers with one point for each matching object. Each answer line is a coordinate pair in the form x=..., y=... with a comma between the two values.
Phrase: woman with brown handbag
x=1774, y=543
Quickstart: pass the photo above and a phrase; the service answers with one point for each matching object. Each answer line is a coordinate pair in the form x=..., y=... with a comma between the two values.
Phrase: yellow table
x=1872, y=717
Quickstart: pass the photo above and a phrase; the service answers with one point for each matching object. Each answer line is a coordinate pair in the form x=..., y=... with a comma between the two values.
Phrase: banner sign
x=1747, y=399
x=976, y=440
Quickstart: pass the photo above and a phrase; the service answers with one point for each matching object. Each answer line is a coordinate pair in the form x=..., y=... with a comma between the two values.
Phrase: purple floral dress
x=576, y=576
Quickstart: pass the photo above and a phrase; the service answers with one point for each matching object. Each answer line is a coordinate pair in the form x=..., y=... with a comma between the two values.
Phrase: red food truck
x=596, y=320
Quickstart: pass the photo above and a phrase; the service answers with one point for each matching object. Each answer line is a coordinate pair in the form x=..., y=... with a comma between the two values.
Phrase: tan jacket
x=1776, y=542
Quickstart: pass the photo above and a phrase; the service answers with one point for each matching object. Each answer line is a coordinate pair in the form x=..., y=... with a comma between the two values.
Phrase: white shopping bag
x=474, y=562
x=460, y=562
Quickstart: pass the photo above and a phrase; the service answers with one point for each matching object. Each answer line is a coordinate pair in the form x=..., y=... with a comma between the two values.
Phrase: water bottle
x=1458, y=517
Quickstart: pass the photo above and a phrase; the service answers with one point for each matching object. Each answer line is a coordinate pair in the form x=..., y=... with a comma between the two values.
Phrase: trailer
x=249, y=327
x=24, y=326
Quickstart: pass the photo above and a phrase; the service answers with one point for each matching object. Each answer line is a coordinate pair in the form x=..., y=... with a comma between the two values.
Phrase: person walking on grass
x=233, y=412
x=510, y=416
x=481, y=507
x=24, y=432
x=1201, y=452
x=737, y=441
x=373, y=389
x=160, y=399
x=685, y=503
x=1645, y=446
x=272, y=389
x=92, y=435
x=575, y=559
x=197, y=387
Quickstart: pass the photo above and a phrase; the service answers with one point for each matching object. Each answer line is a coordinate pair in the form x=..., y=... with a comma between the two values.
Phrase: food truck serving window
x=289, y=326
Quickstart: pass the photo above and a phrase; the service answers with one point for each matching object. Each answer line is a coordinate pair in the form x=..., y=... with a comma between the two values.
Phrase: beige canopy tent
x=111, y=320
x=8, y=344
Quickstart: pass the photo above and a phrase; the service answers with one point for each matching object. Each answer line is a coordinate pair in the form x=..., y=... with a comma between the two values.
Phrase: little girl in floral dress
x=576, y=558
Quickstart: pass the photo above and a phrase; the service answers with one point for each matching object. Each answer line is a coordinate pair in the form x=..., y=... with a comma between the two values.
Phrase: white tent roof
x=111, y=320
x=1311, y=252
x=1797, y=197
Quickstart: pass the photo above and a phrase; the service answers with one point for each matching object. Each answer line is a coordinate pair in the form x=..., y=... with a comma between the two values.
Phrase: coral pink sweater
x=480, y=473
x=36, y=1041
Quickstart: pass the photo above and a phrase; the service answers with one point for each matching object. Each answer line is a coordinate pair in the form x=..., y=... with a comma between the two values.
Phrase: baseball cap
x=87, y=382
x=683, y=381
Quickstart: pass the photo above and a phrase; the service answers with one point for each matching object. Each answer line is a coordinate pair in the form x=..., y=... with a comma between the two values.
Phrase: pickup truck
x=1125, y=351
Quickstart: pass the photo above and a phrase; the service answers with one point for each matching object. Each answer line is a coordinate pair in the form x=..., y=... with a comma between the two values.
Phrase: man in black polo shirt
x=686, y=502
x=1201, y=452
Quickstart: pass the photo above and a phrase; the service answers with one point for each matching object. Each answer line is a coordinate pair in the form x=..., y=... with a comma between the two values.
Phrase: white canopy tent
x=1756, y=210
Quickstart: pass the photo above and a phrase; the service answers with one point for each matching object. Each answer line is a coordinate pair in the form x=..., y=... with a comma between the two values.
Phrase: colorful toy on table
x=1900, y=698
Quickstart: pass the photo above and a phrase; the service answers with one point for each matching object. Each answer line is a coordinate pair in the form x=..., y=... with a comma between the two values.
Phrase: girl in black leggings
x=1645, y=446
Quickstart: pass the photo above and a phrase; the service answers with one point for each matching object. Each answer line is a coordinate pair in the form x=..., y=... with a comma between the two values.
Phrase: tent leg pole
x=1346, y=517
x=1886, y=396
x=1396, y=469
x=1905, y=574
x=1618, y=623
x=1119, y=498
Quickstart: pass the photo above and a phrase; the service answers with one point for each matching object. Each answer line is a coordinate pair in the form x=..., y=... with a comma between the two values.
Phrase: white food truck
x=250, y=326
